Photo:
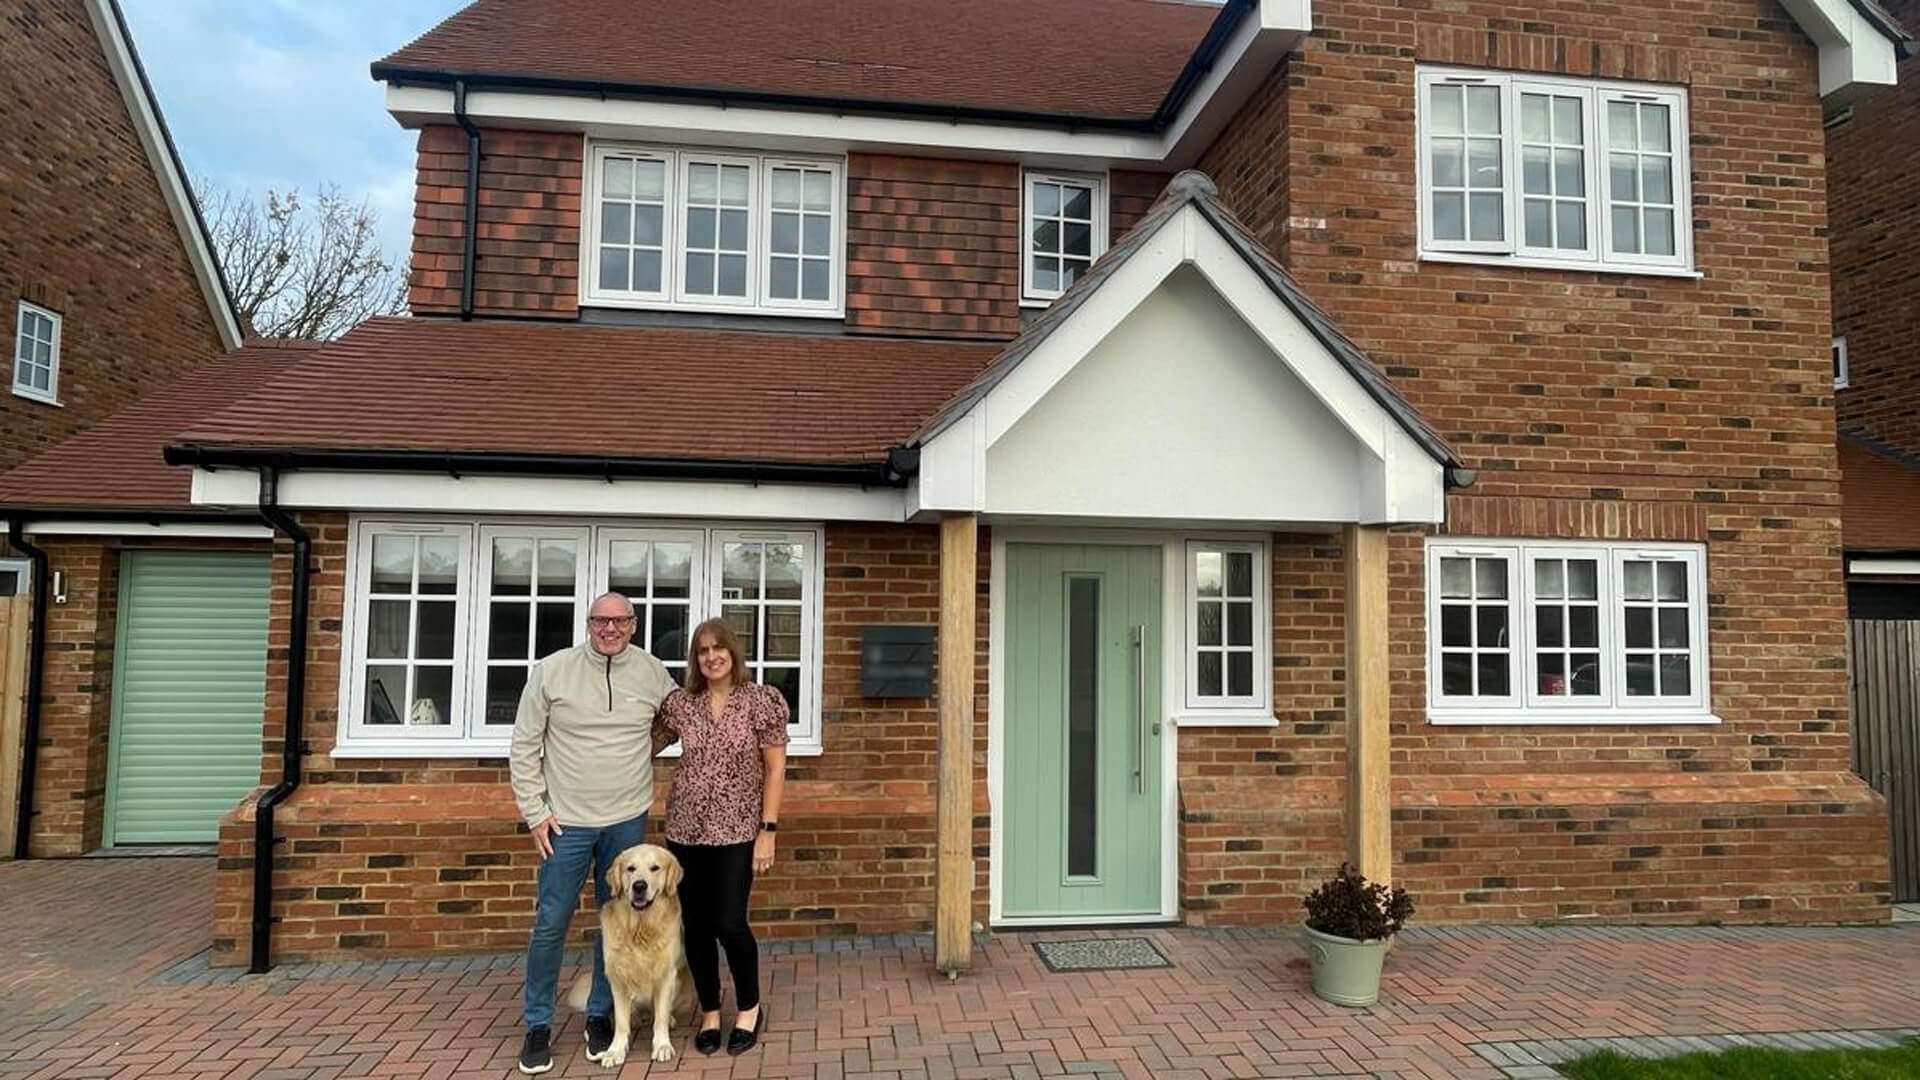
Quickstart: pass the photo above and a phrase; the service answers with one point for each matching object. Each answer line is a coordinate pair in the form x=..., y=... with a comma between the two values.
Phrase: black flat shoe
x=707, y=1040
x=740, y=1040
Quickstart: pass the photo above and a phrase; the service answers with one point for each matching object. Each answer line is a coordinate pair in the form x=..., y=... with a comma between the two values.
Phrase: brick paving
x=107, y=977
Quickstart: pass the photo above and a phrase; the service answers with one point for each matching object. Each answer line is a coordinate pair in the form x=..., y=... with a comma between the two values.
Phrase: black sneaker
x=536, y=1055
x=599, y=1036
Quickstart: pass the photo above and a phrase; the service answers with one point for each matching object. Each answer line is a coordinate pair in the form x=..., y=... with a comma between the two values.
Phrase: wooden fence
x=1885, y=681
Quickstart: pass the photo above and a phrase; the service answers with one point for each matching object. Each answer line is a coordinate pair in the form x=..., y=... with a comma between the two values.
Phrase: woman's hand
x=763, y=853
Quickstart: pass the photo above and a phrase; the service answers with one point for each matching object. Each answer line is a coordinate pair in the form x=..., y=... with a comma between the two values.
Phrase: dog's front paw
x=663, y=1049
x=616, y=1054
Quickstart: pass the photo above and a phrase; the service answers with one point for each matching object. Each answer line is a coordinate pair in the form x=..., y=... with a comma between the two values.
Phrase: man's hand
x=543, y=835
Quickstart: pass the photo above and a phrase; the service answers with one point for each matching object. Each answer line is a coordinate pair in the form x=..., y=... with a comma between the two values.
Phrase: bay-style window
x=709, y=231
x=1063, y=230
x=1549, y=171
x=445, y=619
x=1565, y=632
x=1227, y=631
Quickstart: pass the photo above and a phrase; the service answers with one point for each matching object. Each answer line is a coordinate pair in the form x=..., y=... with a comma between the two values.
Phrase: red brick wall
x=413, y=855
x=87, y=232
x=1594, y=406
x=933, y=247
x=527, y=255
x=1873, y=173
x=1131, y=196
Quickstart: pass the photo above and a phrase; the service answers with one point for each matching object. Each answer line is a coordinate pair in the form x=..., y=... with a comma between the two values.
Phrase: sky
x=275, y=94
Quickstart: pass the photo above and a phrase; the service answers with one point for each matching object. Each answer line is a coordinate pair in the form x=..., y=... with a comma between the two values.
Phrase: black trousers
x=713, y=910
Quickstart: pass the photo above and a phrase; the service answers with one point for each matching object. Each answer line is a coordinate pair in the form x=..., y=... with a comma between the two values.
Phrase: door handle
x=1139, y=708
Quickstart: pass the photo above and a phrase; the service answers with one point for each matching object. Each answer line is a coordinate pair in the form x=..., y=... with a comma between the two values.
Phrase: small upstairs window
x=36, y=353
x=1840, y=363
x=1064, y=228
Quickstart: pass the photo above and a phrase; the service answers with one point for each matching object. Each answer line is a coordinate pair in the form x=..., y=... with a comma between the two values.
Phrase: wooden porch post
x=1369, y=768
x=953, y=889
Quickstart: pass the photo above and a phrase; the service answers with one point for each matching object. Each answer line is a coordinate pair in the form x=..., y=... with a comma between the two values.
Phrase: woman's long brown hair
x=696, y=682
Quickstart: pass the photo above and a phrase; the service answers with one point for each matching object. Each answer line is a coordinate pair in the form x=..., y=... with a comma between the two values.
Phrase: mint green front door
x=1082, y=829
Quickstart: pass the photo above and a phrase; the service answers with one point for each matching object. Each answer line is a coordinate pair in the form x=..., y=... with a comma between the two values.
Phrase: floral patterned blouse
x=721, y=778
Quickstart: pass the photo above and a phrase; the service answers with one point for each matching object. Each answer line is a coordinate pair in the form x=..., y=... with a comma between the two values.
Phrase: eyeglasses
x=601, y=622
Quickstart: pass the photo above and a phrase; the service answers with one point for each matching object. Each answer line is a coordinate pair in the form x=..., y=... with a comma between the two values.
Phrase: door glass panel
x=1083, y=681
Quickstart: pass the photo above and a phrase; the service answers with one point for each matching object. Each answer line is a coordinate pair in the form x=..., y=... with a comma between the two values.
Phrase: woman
x=720, y=821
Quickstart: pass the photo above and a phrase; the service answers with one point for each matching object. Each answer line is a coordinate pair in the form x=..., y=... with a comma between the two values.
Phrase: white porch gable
x=1178, y=384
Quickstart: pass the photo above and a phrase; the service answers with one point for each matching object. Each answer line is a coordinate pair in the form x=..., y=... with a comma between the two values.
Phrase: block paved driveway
x=104, y=975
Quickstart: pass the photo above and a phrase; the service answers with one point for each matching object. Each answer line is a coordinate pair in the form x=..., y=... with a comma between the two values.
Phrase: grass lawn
x=1747, y=1063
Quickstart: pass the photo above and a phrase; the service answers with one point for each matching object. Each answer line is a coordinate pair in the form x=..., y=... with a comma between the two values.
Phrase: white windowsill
x=1518, y=717
x=1594, y=266
x=361, y=751
x=43, y=399
x=1196, y=718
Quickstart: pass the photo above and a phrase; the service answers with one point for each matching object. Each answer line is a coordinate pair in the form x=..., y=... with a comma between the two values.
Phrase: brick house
x=1873, y=156
x=1296, y=433
x=111, y=295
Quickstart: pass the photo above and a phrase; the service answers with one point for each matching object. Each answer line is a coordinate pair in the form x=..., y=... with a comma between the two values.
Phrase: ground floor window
x=1566, y=632
x=446, y=618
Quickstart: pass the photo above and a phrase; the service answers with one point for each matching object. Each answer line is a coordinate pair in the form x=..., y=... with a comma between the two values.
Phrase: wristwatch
x=769, y=826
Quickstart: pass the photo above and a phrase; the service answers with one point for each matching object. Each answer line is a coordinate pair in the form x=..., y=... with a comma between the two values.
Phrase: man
x=582, y=770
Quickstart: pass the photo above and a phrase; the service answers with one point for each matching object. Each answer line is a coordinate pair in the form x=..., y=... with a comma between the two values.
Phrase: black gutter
x=470, y=245
x=1198, y=64
x=36, y=679
x=293, y=738
x=890, y=473
x=44, y=513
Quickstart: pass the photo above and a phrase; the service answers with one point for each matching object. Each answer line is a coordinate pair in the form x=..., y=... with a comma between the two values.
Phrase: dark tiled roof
x=116, y=464
x=1883, y=21
x=1108, y=59
x=600, y=393
x=1195, y=189
x=1879, y=496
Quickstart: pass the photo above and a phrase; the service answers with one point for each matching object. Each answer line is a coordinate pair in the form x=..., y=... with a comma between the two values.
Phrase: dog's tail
x=582, y=987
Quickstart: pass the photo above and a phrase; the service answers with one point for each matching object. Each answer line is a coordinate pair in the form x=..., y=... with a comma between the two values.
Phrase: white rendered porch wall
x=1182, y=412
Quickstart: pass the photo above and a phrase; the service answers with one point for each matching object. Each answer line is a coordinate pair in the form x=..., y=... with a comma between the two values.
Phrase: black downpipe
x=469, y=253
x=36, y=678
x=293, y=741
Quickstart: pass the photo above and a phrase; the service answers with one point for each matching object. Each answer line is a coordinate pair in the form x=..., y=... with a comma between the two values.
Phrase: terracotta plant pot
x=1345, y=971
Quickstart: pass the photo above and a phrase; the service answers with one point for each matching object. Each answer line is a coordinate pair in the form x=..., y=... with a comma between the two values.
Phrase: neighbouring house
x=1873, y=169
x=111, y=293
x=1161, y=450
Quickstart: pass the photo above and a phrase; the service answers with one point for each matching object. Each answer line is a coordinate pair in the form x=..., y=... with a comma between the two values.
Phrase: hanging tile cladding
x=527, y=251
x=933, y=247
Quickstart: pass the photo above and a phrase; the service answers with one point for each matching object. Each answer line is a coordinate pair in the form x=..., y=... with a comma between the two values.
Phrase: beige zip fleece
x=583, y=738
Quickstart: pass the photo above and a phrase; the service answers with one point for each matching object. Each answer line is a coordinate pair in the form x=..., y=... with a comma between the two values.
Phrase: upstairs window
x=705, y=231
x=1064, y=230
x=1840, y=363
x=1552, y=172
x=36, y=353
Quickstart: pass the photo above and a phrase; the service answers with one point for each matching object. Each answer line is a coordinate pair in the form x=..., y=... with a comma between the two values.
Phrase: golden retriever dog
x=646, y=959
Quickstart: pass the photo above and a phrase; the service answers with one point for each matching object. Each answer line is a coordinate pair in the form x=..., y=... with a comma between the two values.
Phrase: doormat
x=1100, y=954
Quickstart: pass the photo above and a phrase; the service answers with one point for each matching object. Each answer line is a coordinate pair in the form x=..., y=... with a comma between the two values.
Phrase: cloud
x=276, y=94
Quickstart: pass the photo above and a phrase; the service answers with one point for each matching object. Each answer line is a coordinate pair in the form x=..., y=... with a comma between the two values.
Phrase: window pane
x=1676, y=675
x=1536, y=170
x=387, y=629
x=1549, y=631
x=1239, y=573
x=616, y=223
x=646, y=271
x=512, y=566
x=1626, y=230
x=1448, y=117
x=1673, y=628
x=700, y=274
x=393, y=564
x=1209, y=675
x=818, y=234
x=650, y=180
x=740, y=572
x=1549, y=579
x=672, y=570
x=1639, y=628
x=1449, y=163
x=1673, y=580
x=819, y=190
x=1456, y=625
x=1083, y=681
x=552, y=628
x=1206, y=573
x=1485, y=222
x=386, y=692
x=702, y=182
x=1491, y=624
x=1534, y=123
x=556, y=568
x=1483, y=163
x=1207, y=622
x=785, y=564
x=439, y=565
x=668, y=632
x=733, y=275
x=1240, y=674
x=1653, y=127
x=1553, y=675
x=1449, y=216
x=783, y=633
x=1046, y=275
x=1583, y=626
x=1079, y=203
x=786, y=233
x=733, y=184
x=1490, y=579
x=1071, y=270
x=504, y=685
x=786, y=189
x=1569, y=172
x=627, y=567
x=1046, y=199
x=613, y=268
x=1567, y=129
x=433, y=630
x=1572, y=225
x=1483, y=110
x=1659, y=224
x=1538, y=221
x=1456, y=578
x=1494, y=675
x=1046, y=236
x=702, y=227
x=1620, y=126
x=787, y=681
x=1656, y=179
x=508, y=631
x=1240, y=623
x=1456, y=674
x=1626, y=177
x=815, y=282
x=783, y=279
x=616, y=178
x=1583, y=579
x=1077, y=239
x=733, y=230
x=1586, y=674
x=744, y=621
x=1639, y=674
x=646, y=225
x=432, y=703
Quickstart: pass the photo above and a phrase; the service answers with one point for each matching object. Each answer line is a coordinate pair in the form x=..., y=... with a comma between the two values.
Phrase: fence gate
x=13, y=698
x=1885, y=670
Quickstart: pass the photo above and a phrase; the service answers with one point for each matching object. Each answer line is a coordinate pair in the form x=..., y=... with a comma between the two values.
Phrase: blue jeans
x=577, y=851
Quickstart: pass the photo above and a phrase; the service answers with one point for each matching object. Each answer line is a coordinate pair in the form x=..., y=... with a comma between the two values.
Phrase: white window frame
x=1512, y=250
x=482, y=623
x=1258, y=704
x=22, y=567
x=1030, y=294
x=26, y=310
x=1839, y=356
x=1525, y=705
x=672, y=295
x=468, y=735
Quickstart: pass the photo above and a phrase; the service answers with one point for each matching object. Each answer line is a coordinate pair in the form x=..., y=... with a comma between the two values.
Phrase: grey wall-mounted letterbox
x=896, y=661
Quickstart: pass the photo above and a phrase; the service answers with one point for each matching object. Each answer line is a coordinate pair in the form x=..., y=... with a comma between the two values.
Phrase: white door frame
x=1172, y=550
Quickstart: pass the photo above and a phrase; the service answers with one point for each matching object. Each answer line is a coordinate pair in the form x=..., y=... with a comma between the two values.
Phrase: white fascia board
x=1869, y=565
x=1852, y=49
x=109, y=29
x=1261, y=40
x=225, y=530
x=953, y=465
x=390, y=492
x=224, y=487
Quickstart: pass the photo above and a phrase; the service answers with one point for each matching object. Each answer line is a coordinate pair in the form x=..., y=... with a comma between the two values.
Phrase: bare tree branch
x=299, y=269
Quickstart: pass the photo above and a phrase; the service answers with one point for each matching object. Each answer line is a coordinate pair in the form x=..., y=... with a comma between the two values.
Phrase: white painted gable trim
x=1852, y=49
x=1403, y=482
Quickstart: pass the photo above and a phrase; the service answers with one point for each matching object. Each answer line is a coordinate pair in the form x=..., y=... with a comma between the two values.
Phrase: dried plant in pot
x=1350, y=921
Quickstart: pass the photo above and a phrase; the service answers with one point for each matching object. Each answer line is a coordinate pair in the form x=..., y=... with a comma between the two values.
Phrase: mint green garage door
x=189, y=687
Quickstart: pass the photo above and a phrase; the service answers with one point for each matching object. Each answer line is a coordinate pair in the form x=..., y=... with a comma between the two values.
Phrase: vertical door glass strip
x=1083, y=700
